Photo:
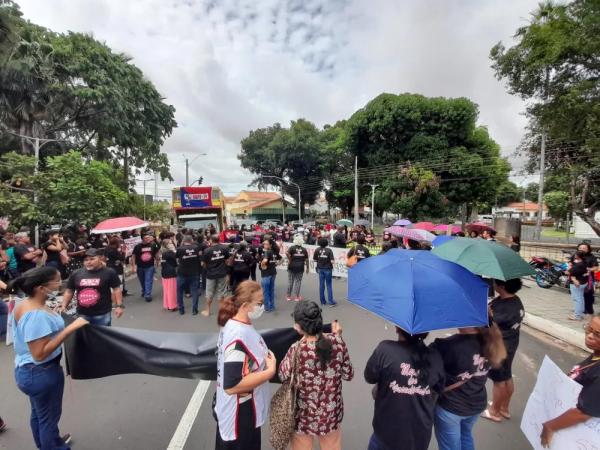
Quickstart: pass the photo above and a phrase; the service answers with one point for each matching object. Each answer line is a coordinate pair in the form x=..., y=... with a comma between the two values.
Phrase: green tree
x=558, y=203
x=554, y=65
x=16, y=190
x=531, y=192
x=74, y=88
x=508, y=192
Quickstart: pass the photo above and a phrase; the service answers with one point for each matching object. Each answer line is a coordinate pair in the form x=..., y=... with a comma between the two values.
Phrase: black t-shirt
x=298, y=257
x=508, y=314
x=463, y=360
x=189, y=257
x=168, y=264
x=242, y=261
x=590, y=260
x=93, y=290
x=214, y=257
x=23, y=265
x=323, y=257
x=145, y=254
x=589, y=377
x=403, y=406
x=579, y=272
x=360, y=251
x=114, y=259
x=339, y=240
x=51, y=255
x=271, y=269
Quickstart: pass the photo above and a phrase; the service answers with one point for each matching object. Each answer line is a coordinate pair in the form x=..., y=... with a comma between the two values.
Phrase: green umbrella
x=343, y=222
x=486, y=258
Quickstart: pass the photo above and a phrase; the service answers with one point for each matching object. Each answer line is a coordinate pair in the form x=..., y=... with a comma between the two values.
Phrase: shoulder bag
x=282, y=418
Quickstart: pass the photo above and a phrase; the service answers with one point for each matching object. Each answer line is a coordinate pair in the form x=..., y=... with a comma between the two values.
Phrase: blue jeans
x=325, y=278
x=376, y=444
x=268, y=287
x=190, y=282
x=102, y=319
x=577, y=294
x=454, y=432
x=44, y=385
x=146, y=277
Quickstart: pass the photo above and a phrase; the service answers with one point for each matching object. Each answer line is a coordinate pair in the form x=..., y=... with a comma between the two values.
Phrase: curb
x=568, y=335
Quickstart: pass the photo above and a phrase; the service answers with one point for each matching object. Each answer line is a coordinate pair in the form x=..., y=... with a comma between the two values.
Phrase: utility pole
x=290, y=182
x=355, y=189
x=282, y=202
x=144, y=181
x=373, y=186
x=155, y=186
x=187, y=167
x=538, y=223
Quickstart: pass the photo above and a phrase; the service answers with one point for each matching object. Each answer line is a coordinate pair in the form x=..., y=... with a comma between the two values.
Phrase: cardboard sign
x=555, y=393
x=130, y=243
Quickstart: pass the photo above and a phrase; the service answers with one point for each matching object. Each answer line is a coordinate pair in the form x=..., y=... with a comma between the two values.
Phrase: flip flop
x=487, y=415
x=506, y=415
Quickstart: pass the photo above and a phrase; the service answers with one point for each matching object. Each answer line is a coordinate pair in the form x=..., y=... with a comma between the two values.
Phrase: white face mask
x=52, y=294
x=256, y=312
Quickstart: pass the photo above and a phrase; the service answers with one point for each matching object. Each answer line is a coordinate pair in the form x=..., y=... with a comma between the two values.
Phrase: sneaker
x=332, y=305
x=148, y=299
x=575, y=318
x=194, y=313
x=288, y=299
x=2, y=425
x=181, y=312
x=67, y=438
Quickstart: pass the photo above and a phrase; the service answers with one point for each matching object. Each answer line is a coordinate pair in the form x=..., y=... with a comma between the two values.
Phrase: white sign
x=555, y=393
x=9, y=329
x=130, y=243
x=339, y=254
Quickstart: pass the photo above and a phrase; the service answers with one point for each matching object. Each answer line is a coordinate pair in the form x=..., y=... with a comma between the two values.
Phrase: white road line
x=189, y=416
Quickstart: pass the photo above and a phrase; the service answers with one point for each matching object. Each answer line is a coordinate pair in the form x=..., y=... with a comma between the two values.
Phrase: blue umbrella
x=441, y=240
x=403, y=223
x=419, y=292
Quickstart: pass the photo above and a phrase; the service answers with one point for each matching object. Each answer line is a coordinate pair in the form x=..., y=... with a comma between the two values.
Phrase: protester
x=297, y=263
x=55, y=249
x=370, y=237
x=408, y=377
x=322, y=362
x=360, y=250
x=143, y=261
x=26, y=254
x=244, y=367
x=489, y=235
x=592, y=265
x=507, y=311
x=168, y=272
x=586, y=373
x=339, y=238
x=385, y=247
x=188, y=272
x=96, y=286
x=324, y=260
x=268, y=274
x=76, y=252
x=38, y=334
x=202, y=245
x=467, y=357
x=242, y=263
x=515, y=243
x=115, y=257
x=578, y=277
x=214, y=260
x=473, y=234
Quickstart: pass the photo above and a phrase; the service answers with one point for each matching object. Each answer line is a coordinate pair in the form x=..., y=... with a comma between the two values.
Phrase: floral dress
x=320, y=408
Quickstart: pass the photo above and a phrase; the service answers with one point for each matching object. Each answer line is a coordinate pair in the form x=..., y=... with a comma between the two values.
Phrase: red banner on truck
x=196, y=197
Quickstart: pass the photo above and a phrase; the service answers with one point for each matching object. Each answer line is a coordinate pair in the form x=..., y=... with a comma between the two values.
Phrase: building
x=583, y=230
x=259, y=206
x=525, y=211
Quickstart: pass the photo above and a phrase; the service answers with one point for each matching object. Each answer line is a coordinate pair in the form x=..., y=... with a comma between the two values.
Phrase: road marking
x=189, y=416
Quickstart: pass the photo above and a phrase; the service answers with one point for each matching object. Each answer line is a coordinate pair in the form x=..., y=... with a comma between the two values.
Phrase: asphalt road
x=138, y=412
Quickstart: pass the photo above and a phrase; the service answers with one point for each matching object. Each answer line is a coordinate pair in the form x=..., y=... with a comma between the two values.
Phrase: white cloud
x=233, y=65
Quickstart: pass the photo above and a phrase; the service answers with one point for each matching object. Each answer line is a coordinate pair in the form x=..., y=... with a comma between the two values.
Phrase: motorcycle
x=549, y=273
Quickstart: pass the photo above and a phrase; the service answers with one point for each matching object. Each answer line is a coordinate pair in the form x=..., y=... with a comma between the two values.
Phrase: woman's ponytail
x=492, y=344
x=324, y=349
x=420, y=354
x=308, y=316
x=31, y=279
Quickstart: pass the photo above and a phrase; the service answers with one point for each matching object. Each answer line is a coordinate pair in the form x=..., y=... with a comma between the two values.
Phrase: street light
x=282, y=201
x=373, y=186
x=144, y=181
x=187, y=166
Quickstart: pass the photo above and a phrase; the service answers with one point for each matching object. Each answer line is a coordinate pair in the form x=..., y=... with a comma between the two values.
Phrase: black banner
x=96, y=352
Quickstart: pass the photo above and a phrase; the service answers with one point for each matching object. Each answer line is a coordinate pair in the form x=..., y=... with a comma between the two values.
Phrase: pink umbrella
x=119, y=224
x=479, y=227
x=444, y=228
x=427, y=226
x=411, y=233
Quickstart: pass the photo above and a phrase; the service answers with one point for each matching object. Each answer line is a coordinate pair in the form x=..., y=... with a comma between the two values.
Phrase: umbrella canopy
x=418, y=291
x=118, y=224
x=444, y=228
x=411, y=233
x=442, y=240
x=364, y=222
x=486, y=258
x=343, y=222
x=402, y=223
x=479, y=227
x=427, y=226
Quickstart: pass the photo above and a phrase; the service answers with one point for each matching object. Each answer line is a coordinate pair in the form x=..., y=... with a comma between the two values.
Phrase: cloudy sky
x=230, y=66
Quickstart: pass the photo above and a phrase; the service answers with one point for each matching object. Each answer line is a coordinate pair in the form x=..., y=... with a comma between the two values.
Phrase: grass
x=555, y=233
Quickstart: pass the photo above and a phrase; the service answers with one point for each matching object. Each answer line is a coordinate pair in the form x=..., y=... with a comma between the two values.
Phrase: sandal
x=487, y=415
x=506, y=415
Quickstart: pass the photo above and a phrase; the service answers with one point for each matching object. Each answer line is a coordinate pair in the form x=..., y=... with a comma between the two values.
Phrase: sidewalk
x=547, y=310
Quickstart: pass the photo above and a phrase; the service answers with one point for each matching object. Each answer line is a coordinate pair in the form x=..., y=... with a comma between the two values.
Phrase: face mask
x=256, y=312
x=52, y=294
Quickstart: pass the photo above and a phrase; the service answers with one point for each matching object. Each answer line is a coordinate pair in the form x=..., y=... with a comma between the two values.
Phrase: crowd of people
x=418, y=389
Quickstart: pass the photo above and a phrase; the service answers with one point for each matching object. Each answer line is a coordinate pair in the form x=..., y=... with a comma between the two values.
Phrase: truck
x=197, y=207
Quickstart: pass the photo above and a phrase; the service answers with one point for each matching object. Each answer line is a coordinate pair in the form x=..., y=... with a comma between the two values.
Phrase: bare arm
x=255, y=379
x=67, y=297
x=42, y=348
x=569, y=418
